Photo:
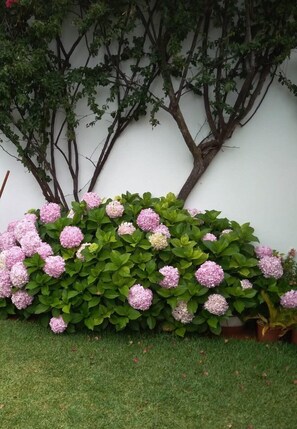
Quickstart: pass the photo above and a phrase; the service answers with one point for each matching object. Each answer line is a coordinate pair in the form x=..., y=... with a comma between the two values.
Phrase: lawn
x=143, y=381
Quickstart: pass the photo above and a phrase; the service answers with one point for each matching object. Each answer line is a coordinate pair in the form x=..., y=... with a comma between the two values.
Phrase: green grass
x=133, y=381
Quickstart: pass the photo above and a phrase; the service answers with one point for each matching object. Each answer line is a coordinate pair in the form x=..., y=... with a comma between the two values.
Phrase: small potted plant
x=276, y=321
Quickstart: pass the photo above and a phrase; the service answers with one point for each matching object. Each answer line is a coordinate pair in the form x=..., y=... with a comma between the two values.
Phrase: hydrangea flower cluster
x=79, y=254
x=114, y=209
x=57, y=325
x=210, y=274
x=126, y=228
x=44, y=250
x=246, y=284
x=148, y=220
x=5, y=284
x=209, y=237
x=262, y=251
x=182, y=314
x=271, y=266
x=50, y=212
x=21, y=299
x=23, y=227
x=54, y=266
x=158, y=241
x=171, y=277
x=289, y=299
x=7, y=240
x=140, y=298
x=216, y=304
x=13, y=255
x=92, y=200
x=19, y=275
x=71, y=236
x=30, y=243
x=162, y=229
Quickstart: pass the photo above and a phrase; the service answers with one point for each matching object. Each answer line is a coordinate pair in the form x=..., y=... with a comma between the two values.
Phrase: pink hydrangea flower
x=71, y=236
x=193, y=212
x=182, y=314
x=246, y=284
x=5, y=284
x=19, y=275
x=148, y=220
x=50, y=212
x=162, y=229
x=271, y=266
x=30, y=242
x=44, y=250
x=140, y=298
x=158, y=241
x=54, y=266
x=262, y=251
x=10, y=3
x=11, y=226
x=171, y=277
x=114, y=209
x=7, y=240
x=210, y=274
x=92, y=200
x=79, y=254
x=58, y=325
x=31, y=217
x=289, y=299
x=209, y=237
x=21, y=299
x=216, y=304
x=13, y=255
x=23, y=227
x=126, y=228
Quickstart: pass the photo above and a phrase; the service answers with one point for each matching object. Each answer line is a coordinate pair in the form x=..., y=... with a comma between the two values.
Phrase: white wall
x=252, y=180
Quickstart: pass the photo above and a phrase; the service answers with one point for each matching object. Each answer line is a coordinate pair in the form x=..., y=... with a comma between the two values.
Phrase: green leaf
x=41, y=308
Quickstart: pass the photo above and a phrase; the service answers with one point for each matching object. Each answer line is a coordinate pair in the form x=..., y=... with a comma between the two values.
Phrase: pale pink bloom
x=216, y=304
x=148, y=220
x=92, y=200
x=54, y=266
x=21, y=299
x=126, y=228
x=210, y=274
x=50, y=212
x=171, y=277
x=114, y=209
x=71, y=236
x=182, y=314
x=58, y=325
x=140, y=298
x=19, y=275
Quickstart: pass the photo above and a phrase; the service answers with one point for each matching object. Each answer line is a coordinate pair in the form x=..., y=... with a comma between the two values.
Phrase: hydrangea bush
x=137, y=262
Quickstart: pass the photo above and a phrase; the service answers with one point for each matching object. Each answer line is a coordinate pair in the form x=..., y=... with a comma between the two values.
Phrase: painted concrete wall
x=253, y=179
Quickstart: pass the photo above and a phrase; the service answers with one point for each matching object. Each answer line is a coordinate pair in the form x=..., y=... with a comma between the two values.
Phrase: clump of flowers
x=57, y=325
x=271, y=266
x=246, y=284
x=163, y=229
x=30, y=242
x=50, y=212
x=79, y=254
x=19, y=275
x=7, y=240
x=209, y=237
x=114, y=209
x=21, y=299
x=54, y=266
x=92, y=200
x=71, y=236
x=10, y=3
x=5, y=284
x=193, y=212
x=44, y=250
x=182, y=314
x=148, y=220
x=126, y=228
x=171, y=277
x=23, y=227
x=210, y=274
x=216, y=304
x=158, y=241
x=140, y=298
x=289, y=299
x=262, y=251
x=13, y=255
